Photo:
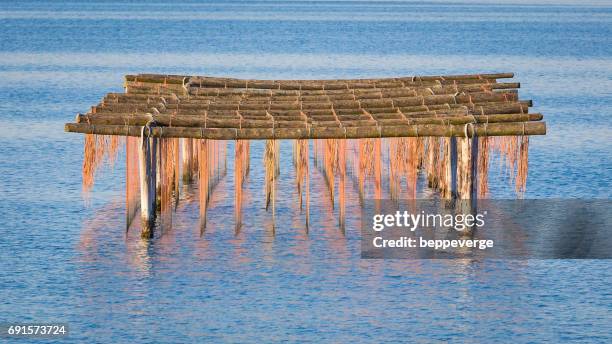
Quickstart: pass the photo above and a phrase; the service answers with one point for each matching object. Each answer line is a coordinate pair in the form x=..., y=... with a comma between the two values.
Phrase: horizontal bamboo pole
x=307, y=88
x=480, y=97
x=346, y=96
x=410, y=111
x=282, y=122
x=416, y=130
x=182, y=79
x=370, y=93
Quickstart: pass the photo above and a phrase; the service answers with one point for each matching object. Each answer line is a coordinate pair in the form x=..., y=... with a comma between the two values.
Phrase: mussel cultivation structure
x=380, y=132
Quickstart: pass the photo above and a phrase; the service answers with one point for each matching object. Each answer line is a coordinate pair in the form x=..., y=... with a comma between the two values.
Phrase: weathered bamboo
x=450, y=168
x=433, y=157
x=154, y=169
x=203, y=177
x=467, y=167
x=142, y=93
x=328, y=114
x=322, y=104
x=238, y=179
x=176, y=147
x=341, y=183
x=187, y=154
x=183, y=79
x=147, y=161
x=306, y=163
x=193, y=121
x=242, y=83
x=417, y=130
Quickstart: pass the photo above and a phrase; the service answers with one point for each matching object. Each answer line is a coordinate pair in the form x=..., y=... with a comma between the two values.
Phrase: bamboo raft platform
x=430, y=123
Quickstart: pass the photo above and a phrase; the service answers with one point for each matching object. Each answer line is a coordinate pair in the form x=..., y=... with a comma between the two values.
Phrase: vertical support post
x=474, y=166
x=274, y=185
x=467, y=168
x=464, y=168
x=187, y=153
x=341, y=191
x=175, y=150
x=360, y=170
x=307, y=173
x=158, y=173
x=432, y=150
x=154, y=162
x=238, y=174
x=203, y=170
x=450, y=170
x=147, y=173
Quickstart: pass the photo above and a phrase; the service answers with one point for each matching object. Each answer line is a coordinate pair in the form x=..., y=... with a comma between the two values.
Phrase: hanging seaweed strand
x=483, y=167
x=98, y=149
x=240, y=172
x=270, y=168
x=523, y=166
x=329, y=166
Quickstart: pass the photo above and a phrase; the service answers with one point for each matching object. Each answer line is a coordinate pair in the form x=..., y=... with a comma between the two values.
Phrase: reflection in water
x=403, y=169
x=379, y=168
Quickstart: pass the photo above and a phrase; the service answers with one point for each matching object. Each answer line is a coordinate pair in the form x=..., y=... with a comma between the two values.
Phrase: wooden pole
x=177, y=193
x=450, y=170
x=307, y=173
x=158, y=173
x=341, y=184
x=147, y=162
x=154, y=162
x=467, y=176
x=181, y=80
x=373, y=131
x=187, y=152
x=238, y=175
x=467, y=167
x=203, y=170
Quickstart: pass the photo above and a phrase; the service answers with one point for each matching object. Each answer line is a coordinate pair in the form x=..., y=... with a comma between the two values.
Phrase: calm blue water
x=64, y=260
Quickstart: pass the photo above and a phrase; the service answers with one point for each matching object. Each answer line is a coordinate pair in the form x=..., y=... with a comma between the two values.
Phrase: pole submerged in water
x=147, y=159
